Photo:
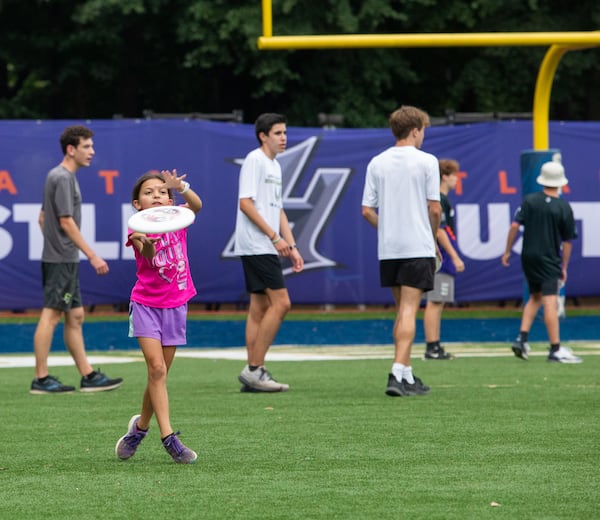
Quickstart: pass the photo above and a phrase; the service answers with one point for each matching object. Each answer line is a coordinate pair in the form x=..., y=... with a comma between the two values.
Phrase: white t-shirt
x=399, y=182
x=260, y=180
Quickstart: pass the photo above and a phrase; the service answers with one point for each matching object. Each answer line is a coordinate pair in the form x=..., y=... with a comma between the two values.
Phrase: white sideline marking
x=348, y=352
x=62, y=361
x=299, y=353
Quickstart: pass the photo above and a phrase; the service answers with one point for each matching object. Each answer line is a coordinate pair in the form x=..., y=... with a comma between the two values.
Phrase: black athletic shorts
x=547, y=287
x=61, y=286
x=412, y=272
x=262, y=272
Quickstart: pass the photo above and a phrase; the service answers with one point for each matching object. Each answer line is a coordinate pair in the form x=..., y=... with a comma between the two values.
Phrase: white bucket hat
x=552, y=175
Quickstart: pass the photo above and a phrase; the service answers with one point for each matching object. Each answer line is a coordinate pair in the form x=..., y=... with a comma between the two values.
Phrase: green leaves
x=96, y=58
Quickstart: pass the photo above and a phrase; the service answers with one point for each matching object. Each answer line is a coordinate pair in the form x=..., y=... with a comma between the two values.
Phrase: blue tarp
x=323, y=174
x=218, y=334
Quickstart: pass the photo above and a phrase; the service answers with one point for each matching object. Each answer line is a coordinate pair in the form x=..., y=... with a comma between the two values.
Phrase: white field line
x=62, y=361
x=349, y=352
x=300, y=353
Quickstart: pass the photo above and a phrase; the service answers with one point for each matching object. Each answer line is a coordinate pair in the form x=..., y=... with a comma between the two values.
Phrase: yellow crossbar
x=354, y=41
x=560, y=42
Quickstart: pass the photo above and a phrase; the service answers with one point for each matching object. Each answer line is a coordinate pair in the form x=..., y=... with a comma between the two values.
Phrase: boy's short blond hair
x=405, y=118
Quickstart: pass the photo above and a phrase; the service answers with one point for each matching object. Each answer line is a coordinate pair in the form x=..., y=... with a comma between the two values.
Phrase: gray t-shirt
x=62, y=198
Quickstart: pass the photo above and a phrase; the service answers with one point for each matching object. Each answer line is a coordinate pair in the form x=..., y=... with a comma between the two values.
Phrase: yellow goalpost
x=559, y=42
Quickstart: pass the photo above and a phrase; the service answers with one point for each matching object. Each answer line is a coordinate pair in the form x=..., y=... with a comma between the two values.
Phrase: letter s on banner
x=6, y=241
x=29, y=214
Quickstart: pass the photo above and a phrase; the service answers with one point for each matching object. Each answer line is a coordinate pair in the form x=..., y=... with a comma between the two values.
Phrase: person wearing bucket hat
x=552, y=175
x=548, y=228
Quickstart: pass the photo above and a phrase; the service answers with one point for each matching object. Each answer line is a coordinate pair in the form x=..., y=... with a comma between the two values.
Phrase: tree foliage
x=97, y=58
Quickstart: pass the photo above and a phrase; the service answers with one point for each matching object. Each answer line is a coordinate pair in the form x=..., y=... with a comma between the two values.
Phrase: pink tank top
x=164, y=281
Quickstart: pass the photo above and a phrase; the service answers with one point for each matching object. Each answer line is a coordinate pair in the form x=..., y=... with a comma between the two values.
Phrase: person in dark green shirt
x=452, y=263
x=548, y=228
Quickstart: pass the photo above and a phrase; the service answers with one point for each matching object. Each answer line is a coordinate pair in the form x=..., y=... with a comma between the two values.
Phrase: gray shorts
x=166, y=325
x=443, y=289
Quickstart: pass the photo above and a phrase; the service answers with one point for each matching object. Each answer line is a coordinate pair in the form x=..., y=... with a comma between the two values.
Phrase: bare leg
x=42, y=339
x=156, y=398
x=432, y=319
x=407, y=300
x=259, y=303
x=530, y=310
x=264, y=319
x=73, y=336
x=550, y=303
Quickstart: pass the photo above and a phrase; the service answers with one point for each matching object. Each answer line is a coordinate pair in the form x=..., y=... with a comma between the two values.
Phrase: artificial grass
x=523, y=435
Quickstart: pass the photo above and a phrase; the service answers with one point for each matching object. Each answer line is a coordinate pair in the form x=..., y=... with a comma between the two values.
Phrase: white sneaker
x=564, y=355
x=260, y=380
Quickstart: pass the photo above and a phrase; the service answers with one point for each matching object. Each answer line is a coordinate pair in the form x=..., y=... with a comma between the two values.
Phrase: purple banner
x=323, y=182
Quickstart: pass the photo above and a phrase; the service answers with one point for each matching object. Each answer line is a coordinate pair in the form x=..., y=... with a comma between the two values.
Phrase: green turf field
x=496, y=438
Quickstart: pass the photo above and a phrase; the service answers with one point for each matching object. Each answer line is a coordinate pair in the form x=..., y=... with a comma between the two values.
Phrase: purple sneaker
x=180, y=453
x=128, y=444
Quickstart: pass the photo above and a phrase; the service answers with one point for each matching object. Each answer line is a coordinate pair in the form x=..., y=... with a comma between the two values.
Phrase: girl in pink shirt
x=158, y=309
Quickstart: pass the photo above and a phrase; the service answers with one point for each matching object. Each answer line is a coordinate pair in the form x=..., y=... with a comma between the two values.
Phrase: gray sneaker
x=260, y=380
x=128, y=444
x=180, y=453
x=51, y=385
x=99, y=383
x=521, y=349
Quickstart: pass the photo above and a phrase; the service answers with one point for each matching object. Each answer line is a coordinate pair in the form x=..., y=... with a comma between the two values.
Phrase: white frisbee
x=161, y=219
x=438, y=264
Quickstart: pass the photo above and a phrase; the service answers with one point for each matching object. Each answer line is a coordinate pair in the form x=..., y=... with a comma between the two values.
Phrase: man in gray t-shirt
x=60, y=221
x=62, y=198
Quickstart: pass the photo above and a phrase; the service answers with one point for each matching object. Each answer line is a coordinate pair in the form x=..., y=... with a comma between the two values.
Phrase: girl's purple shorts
x=165, y=325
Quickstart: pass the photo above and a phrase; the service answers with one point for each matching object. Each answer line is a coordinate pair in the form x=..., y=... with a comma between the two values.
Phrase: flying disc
x=161, y=219
x=438, y=263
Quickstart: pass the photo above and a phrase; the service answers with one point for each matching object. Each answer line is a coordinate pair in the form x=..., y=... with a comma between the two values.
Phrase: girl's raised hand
x=172, y=180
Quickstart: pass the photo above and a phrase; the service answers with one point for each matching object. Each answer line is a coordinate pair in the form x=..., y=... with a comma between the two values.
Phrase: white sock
x=408, y=375
x=398, y=370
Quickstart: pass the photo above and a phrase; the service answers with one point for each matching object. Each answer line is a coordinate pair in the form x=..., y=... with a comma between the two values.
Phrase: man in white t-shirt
x=262, y=236
x=401, y=199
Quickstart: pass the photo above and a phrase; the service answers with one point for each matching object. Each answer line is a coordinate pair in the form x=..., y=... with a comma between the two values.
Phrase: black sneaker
x=437, y=352
x=99, y=383
x=521, y=349
x=416, y=388
x=50, y=386
x=394, y=387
